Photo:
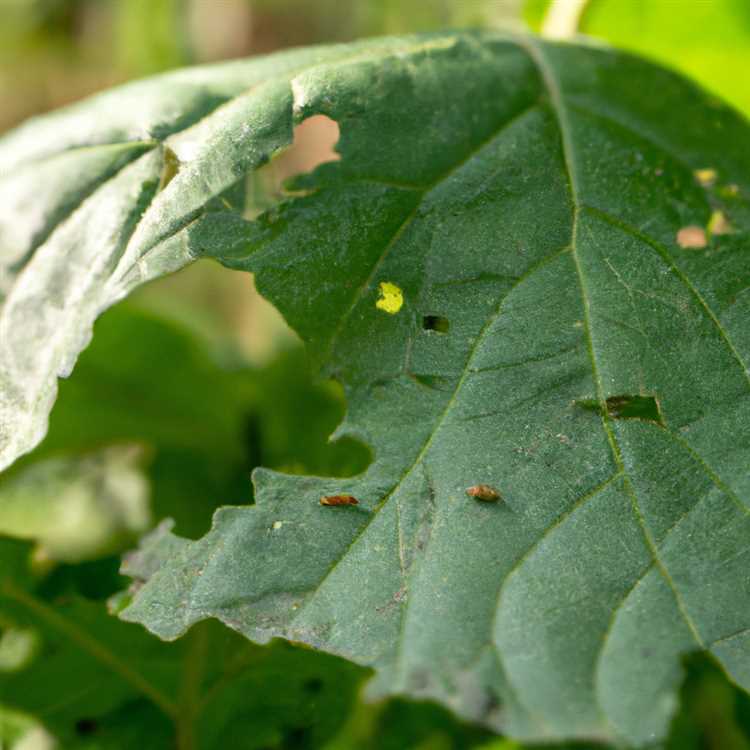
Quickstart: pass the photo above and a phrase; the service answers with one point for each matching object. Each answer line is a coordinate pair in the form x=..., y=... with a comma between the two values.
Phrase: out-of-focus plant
x=708, y=40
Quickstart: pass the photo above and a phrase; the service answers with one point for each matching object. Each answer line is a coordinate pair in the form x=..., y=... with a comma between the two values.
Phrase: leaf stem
x=563, y=18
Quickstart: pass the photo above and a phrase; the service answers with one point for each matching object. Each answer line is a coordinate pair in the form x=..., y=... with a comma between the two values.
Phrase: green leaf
x=80, y=507
x=136, y=384
x=97, y=682
x=707, y=41
x=534, y=198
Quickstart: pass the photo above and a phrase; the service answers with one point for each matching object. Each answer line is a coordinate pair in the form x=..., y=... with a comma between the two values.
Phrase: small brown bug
x=339, y=500
x=483, y=492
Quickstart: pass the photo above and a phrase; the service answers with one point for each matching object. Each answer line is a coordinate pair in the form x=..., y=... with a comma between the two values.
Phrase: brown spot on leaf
x=693, y=237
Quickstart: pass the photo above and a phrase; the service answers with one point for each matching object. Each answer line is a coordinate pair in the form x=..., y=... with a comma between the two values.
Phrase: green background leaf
x=709, y=41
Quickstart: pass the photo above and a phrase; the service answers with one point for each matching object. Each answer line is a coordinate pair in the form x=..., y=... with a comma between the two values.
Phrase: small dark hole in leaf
x=627, y=407
x=433, y=382
x=313, y=685
x=436, y=323
x=298, y=737
x=85, y=727
x=634, y=407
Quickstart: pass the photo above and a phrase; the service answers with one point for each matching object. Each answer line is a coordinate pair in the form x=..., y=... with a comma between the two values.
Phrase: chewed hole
x=313, y=144
x=634, y=407
x=628, y=407
x=436, y=323
x=86, y=727
x=313, y=685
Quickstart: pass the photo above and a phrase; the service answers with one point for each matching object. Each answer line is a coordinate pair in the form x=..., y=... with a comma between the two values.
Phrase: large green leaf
x=497, y=270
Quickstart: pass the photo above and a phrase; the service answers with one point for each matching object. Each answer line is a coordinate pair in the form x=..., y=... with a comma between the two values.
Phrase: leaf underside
x=529, y=196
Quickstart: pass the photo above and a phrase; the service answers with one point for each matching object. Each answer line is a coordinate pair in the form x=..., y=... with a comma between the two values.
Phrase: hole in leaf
x=692, y=237
x=313, y=685
x=436, y=323
x=86, y=727
x=313, y=144
x=434, y=382
x=627, y=407
x=713, y=713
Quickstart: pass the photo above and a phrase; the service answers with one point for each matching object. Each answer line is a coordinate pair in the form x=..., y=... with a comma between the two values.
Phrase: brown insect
x=483, y=492
x=339, y=500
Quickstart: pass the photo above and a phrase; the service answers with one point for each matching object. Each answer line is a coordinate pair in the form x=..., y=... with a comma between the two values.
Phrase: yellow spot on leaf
x=391, y=298
x=718, y=224
x=729, y=191
x=705, y=177
x=277, y=525
x=692, y=237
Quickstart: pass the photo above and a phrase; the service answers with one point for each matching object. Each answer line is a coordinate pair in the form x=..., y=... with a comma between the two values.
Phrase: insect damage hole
x=436, y=323
x=313, y=143
x=628, y=407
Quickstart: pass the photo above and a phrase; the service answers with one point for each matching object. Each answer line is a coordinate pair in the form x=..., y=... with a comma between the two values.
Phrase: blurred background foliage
x=196, y=380
x=709, y=40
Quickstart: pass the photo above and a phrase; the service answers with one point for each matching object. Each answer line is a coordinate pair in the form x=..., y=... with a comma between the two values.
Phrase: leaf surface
x=496, y=273
x=107, y=194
